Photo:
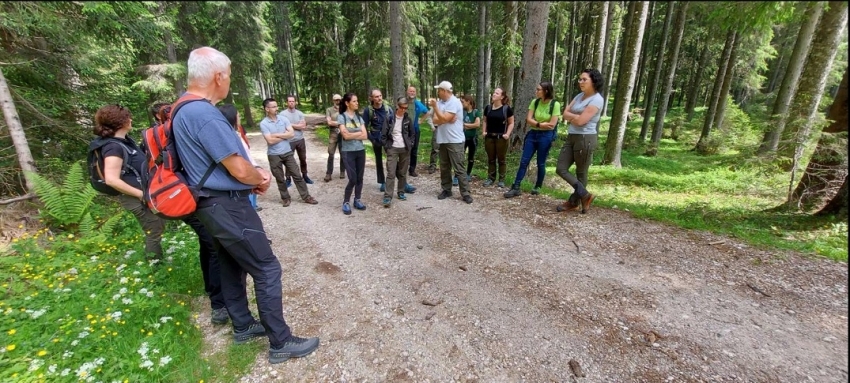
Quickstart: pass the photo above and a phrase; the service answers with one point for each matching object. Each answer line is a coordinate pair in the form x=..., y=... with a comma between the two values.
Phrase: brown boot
x=586, y=201
x=567, y=206
x=328, y=177
x=310, y=200
x=286, y=202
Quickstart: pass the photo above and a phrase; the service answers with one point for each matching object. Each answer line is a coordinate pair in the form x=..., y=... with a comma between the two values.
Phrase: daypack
x=166, y=191
x=95, y=165
x=488, y=108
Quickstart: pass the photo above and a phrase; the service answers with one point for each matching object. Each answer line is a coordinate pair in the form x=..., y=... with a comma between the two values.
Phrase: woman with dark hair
x=582, y=115
x=471, y=123
x=353, y=131
x=115, y=121
x=542, y=119
x=497, y=128
x=232, y=115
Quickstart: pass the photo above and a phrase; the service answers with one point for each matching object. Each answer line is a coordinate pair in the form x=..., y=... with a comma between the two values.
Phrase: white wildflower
x=35, y=364
x=116, y=315
x=164, y=360
x=52, y=369
x=67, y=354
x=65, y=372
x=146, y=364
x=165, y=319
x=116, y=297
x=83, y=334
x=123, y=290
x=127, y=301
x=93, y=258
x=123, y=280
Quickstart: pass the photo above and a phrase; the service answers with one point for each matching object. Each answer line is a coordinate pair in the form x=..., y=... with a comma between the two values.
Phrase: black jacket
x=407, y=132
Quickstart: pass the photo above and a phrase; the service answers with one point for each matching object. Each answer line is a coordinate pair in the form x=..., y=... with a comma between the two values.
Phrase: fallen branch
x=578, y=250
x=16, y=199
x=717, y=242
x=423, y=208
x=758, y=290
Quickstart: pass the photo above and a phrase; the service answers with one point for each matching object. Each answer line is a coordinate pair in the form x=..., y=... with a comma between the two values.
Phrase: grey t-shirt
x=204, y=137
x=294, y=117
x=267, y=126
x=353, y=125
x=580, y=103
x=451, y=132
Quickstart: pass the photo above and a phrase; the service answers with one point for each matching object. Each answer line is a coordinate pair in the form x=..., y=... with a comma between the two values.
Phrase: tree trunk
x=625, y=86
x=644, y=53
x=722, y=63
x=482, y=66
x=488, y=74
x=555, y=49
x=837, y=206
x=245, y=98
x=672, y=60
x=779, y=114
x=534, y=41
x=601, y=33
x=509, y=64
x=827, y=170
x=618, y=41
x=397, y=89
x=16, y=132
x=287, y=30
x=171, y=53
x=656, y=74
x=569, y=73
x=727, y=82
x=696, y=82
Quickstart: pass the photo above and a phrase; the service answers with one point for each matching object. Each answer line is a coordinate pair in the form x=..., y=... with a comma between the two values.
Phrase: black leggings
x=471, y=144
x=355, y=165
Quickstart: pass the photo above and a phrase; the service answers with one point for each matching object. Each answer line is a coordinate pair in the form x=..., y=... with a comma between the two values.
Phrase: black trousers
x=414, y=152
x=355, y=166
x=210, y=267
x=378, y=149
x=243, y=248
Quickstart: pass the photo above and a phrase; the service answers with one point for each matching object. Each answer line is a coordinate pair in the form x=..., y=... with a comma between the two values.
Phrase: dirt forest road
x=510, y=291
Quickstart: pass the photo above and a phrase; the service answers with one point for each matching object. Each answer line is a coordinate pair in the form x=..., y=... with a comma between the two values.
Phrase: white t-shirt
x=451, y=132
x=398, y=141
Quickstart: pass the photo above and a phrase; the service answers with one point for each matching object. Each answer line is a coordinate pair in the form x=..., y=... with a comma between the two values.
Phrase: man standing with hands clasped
x=448, y=119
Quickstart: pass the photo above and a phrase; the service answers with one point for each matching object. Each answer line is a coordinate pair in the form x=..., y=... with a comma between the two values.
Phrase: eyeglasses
x=402, y=107
x=582, y=79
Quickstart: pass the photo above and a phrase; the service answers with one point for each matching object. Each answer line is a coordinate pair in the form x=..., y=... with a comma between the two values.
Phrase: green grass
x=729, y=193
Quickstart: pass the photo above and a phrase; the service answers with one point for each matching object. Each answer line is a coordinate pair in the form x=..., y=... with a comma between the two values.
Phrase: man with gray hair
x=448, y=121
x=205, y=140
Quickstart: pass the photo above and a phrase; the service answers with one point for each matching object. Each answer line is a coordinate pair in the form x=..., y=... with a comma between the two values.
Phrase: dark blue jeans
x=536, y=141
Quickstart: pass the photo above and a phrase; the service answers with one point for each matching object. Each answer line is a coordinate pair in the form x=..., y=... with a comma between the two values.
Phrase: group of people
x=231, y=237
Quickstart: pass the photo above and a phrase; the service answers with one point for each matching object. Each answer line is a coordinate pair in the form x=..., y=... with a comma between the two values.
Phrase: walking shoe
x=467, y=198
x=586, y=201
x=327, y=177
x=445, y=194
x=413, y=173
x=286, y=202
x=342, y=175
x=468, y=178
x=310, y=200
x=501, y=184
x=308, y=180
x=488, y=182
x=219, y=316
x=255, y=330
x=454, y=181
x=401, y=196
x=288, y=183
x=408, y=188
x=359, y=205
x=294, y=347
x=513, y=192
x=567, y=206
x=535, y=191
x=346, y=208
x=383, y=188
x=387, y=201
x=432, y=169
x=258, y=208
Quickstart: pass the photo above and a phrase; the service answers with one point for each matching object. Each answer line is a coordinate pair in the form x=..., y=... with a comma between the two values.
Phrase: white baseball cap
x=444, y=85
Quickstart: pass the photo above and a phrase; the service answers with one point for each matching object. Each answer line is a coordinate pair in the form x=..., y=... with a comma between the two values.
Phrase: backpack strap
x=125, y=167
x=187, y=98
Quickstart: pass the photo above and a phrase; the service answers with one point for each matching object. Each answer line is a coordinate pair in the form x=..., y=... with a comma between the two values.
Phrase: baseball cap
x=337, y=97
x=444, y=85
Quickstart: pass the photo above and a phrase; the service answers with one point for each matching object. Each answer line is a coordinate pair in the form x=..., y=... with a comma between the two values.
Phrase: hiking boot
x=310, y=200
x=308, y=180
x=286, y=202
x=359, y=205
x=514, y=192
x=327, y=177
x=387, y=201
x=586, y=201
x=432, y=169
x=401, y=196
x=294, y=347
x=409, y=189
x=445, y=194
x=501, y=184
x=255, y=330
x=567, y=206
x=454, y=181
x=219, y=316
x=413, y=173
x=383, y=188
x=258, y=208
x=488, y=182
x=346, y=208
x=467, y=198
x=342, y=175
x=535, y=191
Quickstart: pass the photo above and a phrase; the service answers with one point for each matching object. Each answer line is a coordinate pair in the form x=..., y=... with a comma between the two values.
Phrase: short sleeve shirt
x=497, y=119
x=451, y=132
x=468, y=118
x=267, y=126
x=580, y=103
x=294, y=117
x=332, y=113
x=542, y=112
x=353, y=125
x=134, y=156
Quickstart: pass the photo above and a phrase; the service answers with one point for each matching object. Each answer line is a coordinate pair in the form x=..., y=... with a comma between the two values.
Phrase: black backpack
x=95, y=165
x=488, y=108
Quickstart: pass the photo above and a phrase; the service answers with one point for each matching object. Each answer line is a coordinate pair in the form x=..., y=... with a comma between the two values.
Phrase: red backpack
x=166, y=191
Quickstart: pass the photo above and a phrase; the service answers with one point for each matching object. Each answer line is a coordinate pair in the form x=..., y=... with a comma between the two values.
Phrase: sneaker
x=567, y=206
x=255, y=330
x=401, y=196
x=327, y=178
x=288, y=183
x=383, y=188
x=586, y=201
x=258, y=208
x=445, y=194
x=488, y=182
x=432, y=169
x=219, y=316
x=409, y=189
x=359, y=205
x=310, y=200
x=501, y=184
x=454, y=181
x=387, y=201
x=346, y=208
x=308, y=180
x=535, y=191
x=294, y=347
x=513, y=192
x=413, y=173
x=467, y=198
x=286, y=202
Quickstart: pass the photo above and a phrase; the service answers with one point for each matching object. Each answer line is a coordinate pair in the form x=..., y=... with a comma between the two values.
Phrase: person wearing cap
x=448, y=118
x=334, y=140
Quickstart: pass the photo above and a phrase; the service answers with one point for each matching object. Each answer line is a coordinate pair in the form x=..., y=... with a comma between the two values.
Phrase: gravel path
x=508, y=290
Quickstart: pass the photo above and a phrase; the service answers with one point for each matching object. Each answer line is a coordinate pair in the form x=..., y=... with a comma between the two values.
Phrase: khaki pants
x=398, y=160
x=577, y=150
x=278, y=163
x=451, y=158
x=152, y=225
